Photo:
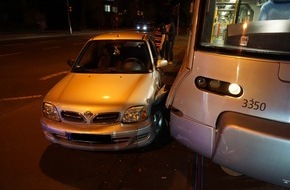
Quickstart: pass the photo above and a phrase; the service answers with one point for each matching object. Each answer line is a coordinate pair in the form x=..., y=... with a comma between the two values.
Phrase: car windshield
x=247, y=26
x=114, y=56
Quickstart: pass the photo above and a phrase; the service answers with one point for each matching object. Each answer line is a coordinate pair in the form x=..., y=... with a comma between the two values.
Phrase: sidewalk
x=55, y=33
x=27, y=35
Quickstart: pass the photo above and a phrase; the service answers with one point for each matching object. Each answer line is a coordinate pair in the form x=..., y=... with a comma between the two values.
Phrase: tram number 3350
x=253, y=104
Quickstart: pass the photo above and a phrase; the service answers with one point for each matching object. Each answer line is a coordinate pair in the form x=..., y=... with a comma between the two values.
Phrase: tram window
x=237, y=24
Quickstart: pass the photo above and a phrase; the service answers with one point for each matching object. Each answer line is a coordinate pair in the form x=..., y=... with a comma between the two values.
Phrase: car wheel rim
x=230, y=172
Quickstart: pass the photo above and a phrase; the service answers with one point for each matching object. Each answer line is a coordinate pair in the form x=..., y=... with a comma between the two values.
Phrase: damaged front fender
x=161, y=95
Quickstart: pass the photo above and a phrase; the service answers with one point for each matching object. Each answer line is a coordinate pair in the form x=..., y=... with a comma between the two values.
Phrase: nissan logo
x=88, y=114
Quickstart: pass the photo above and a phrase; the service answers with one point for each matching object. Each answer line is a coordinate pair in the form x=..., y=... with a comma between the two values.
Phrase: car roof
x=125, y=35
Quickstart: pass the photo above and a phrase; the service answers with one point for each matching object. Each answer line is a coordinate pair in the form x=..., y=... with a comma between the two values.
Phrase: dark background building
x=47, y=15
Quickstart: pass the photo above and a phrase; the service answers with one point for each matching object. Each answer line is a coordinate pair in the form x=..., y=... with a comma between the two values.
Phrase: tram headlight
x=234, y=89
x=218, y=87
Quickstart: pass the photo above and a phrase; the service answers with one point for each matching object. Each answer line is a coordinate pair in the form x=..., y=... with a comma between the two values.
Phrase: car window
x=114, y=56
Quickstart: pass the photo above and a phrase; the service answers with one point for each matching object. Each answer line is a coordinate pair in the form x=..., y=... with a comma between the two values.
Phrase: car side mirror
x=70, y=62
x=161, y=63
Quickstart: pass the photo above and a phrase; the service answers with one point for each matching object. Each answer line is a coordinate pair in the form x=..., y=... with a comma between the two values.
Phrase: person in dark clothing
x=169, y=42
x=159, y=39
x=171, y=39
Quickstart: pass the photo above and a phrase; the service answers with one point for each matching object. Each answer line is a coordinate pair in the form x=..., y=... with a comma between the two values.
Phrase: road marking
x=53, y=75
x=46, y=41
x=20, y=98
x=48, y=48
x=9, y=54
x=10, y=45
x=78, y=43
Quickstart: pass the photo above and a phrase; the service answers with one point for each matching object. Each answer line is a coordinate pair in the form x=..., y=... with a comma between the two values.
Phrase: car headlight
x=49, y=111
x=135, y=114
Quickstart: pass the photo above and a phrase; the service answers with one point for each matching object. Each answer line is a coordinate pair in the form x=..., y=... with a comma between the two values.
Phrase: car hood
x=106, y=90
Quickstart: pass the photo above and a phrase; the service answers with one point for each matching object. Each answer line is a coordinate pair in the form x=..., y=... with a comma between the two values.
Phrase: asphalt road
x=28, y=69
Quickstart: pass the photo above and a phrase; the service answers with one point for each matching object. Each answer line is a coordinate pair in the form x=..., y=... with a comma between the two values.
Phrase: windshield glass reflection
x=111, y=56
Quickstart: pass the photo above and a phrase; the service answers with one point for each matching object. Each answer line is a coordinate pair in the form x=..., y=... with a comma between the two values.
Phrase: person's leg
x=162, y=52
x=170, y=59
x=166, y=54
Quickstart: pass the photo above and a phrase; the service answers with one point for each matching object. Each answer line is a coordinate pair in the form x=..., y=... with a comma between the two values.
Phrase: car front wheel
x=158, y=117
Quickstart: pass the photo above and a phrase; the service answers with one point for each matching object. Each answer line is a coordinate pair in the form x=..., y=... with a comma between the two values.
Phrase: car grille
x=107, y=117
x=72, y=116
x=101, y=118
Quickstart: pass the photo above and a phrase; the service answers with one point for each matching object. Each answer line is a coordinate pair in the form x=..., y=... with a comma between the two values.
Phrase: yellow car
x=112, y=99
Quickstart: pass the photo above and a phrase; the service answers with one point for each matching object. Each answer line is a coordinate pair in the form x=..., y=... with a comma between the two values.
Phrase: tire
x=158, y=117
x=230, y=172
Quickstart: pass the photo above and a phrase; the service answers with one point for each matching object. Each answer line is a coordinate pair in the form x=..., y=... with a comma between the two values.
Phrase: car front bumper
x=249, y=145
x=99, y=138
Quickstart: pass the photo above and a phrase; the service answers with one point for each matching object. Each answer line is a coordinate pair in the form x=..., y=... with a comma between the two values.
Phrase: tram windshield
x=247, y=26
